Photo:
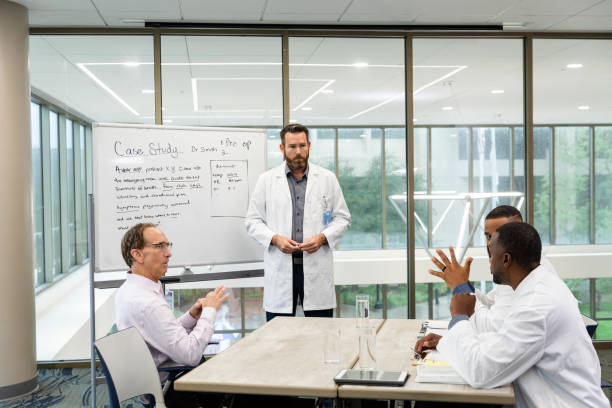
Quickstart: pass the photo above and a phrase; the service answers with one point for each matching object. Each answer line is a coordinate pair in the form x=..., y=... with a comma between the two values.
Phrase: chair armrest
x=174, y=369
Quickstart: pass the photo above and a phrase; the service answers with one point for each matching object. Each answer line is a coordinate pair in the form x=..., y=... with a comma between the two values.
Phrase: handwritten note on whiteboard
x=194, y=183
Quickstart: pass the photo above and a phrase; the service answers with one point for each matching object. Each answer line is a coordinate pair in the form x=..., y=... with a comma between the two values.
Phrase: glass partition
x=468, y=113
x=222, y=81
x=114, y=71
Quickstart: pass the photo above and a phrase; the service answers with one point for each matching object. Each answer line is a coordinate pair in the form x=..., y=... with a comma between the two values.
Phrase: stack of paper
x=433, y=369
x=439, y=327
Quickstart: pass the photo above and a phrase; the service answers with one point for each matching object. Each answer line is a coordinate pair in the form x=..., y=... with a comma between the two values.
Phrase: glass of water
x=332, y=346
x=362, y=310
x=367, y=348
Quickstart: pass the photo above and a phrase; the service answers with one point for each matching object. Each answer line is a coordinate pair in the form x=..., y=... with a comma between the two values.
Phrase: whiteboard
x=193, y=182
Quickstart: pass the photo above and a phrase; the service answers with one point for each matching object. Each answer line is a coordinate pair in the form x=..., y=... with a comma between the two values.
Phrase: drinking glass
x=362, y=310
x=367, y=348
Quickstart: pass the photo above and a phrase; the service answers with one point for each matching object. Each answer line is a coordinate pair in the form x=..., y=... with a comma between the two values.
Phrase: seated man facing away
x=541, y=346
x=140, y=302
x=492, y=307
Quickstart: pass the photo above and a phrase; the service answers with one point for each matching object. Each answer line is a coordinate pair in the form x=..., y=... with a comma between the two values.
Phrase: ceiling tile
x=602, y=9
x=329, y=9
x=137, y=5
x=585, y=23
x=547, y=7
x=58, y=5
x=65, y=18
x=222, y=10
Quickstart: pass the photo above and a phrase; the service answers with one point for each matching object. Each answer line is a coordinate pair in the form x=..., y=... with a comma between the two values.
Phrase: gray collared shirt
x=298, y=193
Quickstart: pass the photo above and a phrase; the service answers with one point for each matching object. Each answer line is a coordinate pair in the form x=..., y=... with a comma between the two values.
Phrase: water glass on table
x=362, y=310
x=367, y=348
x=331, y=351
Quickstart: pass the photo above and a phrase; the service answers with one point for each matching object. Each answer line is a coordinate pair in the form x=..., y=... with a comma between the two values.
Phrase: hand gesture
x=286, y=245
x=429, y=342
x=313, y=244
x=215, y=298
x=452, y=272
x=462, y=304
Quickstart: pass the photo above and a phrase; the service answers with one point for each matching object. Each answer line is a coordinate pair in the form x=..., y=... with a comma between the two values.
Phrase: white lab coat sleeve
x=491, y=309
x=341, y=217
x=492, y=359
x=255, y=220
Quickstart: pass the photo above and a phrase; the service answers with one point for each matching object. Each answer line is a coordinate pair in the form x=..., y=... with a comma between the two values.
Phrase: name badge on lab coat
x=327, y=218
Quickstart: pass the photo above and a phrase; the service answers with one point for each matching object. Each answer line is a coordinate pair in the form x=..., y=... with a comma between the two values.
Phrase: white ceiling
x=533, y=15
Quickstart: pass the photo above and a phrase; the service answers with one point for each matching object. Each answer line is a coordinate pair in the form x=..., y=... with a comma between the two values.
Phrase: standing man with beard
x=298, y=214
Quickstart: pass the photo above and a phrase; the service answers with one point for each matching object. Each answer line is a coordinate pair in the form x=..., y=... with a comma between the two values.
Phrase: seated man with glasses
x=140, y=302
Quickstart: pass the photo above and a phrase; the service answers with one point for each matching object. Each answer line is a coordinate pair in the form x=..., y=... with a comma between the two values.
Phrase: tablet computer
x=360, y=377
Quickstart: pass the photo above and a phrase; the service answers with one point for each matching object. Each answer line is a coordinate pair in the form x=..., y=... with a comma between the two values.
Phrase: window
x=603, y=184
x=222, y=81
x=71, y=201
x=360, y=176
x=56, y=221
x=37, y=196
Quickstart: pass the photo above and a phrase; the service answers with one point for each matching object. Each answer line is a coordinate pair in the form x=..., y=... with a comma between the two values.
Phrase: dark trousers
x=298, y=293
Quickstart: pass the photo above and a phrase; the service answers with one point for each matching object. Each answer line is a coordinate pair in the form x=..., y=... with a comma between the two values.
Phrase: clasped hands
x=289, y=246
x=214, y=298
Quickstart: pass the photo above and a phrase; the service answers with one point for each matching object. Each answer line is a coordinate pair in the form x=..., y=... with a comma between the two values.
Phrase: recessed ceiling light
x=447, y=108
x=131, y=64
x=148, y=91
x=513, y=25
x=415, y=119
x=584, y=107
x=327, y=91
x=497, y=91
x=360, y=64
x=132, y=20
x=574, y=66
x=306, y=108
x=167, y=120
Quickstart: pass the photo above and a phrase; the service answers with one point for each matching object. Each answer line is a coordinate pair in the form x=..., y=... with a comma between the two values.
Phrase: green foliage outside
x=603, y=184
x=572, y=186
x=362, y=194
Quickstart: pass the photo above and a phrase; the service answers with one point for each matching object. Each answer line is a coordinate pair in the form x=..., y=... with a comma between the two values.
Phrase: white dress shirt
x=140, y=303
x=542, y=347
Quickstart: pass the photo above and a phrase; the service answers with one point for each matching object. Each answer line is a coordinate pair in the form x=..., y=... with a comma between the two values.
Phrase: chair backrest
x=129, y=367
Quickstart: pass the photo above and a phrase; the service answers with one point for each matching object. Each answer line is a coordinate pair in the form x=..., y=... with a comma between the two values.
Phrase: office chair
x=129, y=368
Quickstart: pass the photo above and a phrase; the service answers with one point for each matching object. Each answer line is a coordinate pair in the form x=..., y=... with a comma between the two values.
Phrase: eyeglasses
x=161, y=245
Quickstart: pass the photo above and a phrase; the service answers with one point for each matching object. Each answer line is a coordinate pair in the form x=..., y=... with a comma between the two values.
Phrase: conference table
x=285, y=357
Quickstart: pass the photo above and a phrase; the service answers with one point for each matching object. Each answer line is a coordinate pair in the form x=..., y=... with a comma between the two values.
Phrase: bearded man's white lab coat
x=270, y=212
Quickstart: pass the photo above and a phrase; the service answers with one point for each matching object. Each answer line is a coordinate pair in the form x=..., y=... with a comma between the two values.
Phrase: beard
x=497, y=280
x=298, y=163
